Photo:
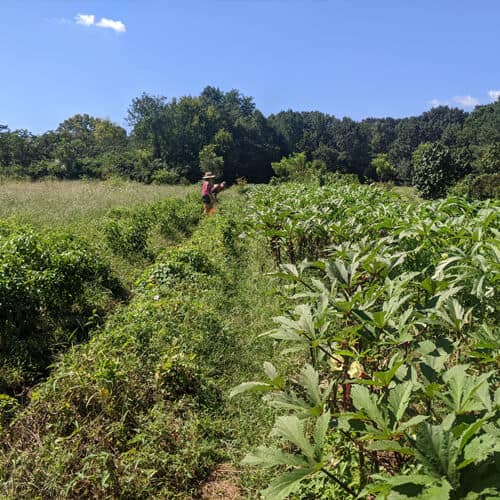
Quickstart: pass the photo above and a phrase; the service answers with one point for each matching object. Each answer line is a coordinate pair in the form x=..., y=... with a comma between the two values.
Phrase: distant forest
x=176, y=140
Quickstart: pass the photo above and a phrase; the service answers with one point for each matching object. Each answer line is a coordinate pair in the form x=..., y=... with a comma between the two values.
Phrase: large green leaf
x=286, y=484
x=440, y=490
x=291, y=428
x=398, y=399
x=437, y=449
x=385, y=445
x=366, y=402
x=272, y=457
x=309, y=379
x=283, y=334
x=320, y=431
x=290, y=401
x=463, y=387
x=415, y=486
x=250, y=387
x=468, y=431
x=486, y=494
x=384, y=378
x=270, y=370
x=313, y=405
x=417, y=419
x=479, y=449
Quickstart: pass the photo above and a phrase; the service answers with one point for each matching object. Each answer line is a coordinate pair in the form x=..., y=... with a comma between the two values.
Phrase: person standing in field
x=208, y=192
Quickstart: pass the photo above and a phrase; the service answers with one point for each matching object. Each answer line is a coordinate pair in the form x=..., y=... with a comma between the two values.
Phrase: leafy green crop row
x=127, y=230
x=136, y=411
x=394, y=314
x=52, y=288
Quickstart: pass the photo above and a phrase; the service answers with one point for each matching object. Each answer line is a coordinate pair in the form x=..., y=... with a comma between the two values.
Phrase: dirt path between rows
x=222, y=483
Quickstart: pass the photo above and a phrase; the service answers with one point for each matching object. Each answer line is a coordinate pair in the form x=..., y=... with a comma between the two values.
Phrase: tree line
x=176, y=140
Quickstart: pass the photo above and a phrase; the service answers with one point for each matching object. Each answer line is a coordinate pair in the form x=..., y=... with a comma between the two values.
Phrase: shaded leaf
x=285, y=484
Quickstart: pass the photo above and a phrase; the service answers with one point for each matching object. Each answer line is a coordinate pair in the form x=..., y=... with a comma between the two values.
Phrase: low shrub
x=175, y=217
x=481, y=187
x=135, y=412
x=127, y=231
x=51, y=290
x=166, y=176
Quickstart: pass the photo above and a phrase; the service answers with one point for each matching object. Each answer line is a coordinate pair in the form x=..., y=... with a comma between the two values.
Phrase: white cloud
x=104, y=22
x=466, y=101
x=85, y=19
x=111, y=24
x=494, y=94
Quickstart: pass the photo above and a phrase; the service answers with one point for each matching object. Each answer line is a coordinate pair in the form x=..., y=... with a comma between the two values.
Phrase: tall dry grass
x=79, y=208
x=75, y=205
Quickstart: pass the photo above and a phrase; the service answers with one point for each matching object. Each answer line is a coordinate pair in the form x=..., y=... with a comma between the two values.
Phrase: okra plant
x=394, y=309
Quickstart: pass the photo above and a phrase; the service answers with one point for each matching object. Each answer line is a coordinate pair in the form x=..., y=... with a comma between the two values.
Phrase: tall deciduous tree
x=210, y=161
x=383, y=167
x=145, y=115
x=436, y=168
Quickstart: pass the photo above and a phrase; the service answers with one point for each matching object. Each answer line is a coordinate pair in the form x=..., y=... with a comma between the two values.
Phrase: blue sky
x=354, y=58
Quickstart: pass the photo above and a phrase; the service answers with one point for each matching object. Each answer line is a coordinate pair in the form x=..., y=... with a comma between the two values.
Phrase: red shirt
x=207, y=188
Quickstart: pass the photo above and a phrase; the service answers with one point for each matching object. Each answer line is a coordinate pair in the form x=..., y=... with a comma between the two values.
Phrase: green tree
x=489, y=159
x=210, y=161
x=383, y=167
x=482, y=126
x=109, y=136
x=430, y=163
x=17, y=148
x=289, y=127
x=436, y=168
x=328, y=155
x=296, y=168
x=434, y=122
x=349, y=138
x=408, y=137
x=380, y=132
x=146, y=116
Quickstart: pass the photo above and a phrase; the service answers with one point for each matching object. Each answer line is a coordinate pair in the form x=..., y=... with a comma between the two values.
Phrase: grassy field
x=79, y=208
x=160, y=370
x=142, y=407
x=75, y=205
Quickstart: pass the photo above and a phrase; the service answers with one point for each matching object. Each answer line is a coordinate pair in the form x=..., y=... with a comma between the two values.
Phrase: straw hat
x=209, y=175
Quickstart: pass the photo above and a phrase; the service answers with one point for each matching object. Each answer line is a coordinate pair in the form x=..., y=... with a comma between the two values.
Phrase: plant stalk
x=339, y=482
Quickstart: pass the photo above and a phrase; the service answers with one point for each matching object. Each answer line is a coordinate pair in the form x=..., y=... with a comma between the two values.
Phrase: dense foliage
x=386, y=386
x=480, y=186
x=52, y=291
x=436, y=168
x=128, y=230
x=136, y=411
x=176, y=140
x=393, y=311
x=54, y=288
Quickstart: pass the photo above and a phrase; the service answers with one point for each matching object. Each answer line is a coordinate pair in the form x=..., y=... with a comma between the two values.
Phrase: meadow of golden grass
x=71, y=204
x=79, y=208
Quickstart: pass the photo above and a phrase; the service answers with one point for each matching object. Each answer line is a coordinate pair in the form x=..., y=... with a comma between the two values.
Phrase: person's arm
x=219, y=187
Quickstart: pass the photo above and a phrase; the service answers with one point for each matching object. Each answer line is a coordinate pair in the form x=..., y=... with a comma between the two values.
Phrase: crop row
x=134, y=412
x=127, y=230
x=55, y=287
x=393, y=310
